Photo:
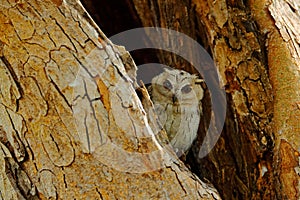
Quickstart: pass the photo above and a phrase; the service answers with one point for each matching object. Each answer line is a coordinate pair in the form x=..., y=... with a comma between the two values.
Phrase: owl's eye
x=186, y=89
x=167, y=85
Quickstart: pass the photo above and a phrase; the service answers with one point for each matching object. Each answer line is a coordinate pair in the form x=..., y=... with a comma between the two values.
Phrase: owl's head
x=177, y=86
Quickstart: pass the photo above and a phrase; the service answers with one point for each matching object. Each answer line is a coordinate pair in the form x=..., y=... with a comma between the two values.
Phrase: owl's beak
x=174, y=98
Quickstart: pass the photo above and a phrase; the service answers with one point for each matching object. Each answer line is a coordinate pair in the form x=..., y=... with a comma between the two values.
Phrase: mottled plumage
x=176, y=95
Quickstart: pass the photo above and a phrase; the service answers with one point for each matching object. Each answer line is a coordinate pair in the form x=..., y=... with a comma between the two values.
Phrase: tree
x=52, y=141
x=72, y=126
x=255, y=45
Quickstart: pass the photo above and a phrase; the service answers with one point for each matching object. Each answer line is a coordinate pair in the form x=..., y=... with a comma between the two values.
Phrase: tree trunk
x=71, y=123
x=255, y=45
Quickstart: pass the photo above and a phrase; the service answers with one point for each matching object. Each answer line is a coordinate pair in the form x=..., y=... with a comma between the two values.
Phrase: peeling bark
x=255, y=45
x=72, y=125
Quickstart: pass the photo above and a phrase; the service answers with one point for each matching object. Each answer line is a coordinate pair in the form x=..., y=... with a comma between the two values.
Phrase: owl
x=176, y=96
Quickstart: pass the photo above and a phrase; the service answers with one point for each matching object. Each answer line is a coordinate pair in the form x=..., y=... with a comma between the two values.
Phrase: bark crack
x=64, y=179
x=82, y=29
x=87, y=132
x=178, y=179
x=20, y=146
x=57, y=146
x=35, y=10
x=60, y=92
x=64, y=32
x=93, y=111
x=12, y=73
x=98, y=192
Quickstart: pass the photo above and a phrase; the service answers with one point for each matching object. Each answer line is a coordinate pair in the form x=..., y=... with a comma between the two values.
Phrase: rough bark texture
x=284, y=56
x=71, y=124
x=255, y=45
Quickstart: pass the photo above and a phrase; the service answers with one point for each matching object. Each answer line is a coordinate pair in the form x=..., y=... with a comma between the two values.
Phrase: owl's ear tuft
x=198, y=80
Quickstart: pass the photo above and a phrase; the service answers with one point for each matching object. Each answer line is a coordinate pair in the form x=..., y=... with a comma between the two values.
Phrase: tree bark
x=255, y=45
x=71, y=123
